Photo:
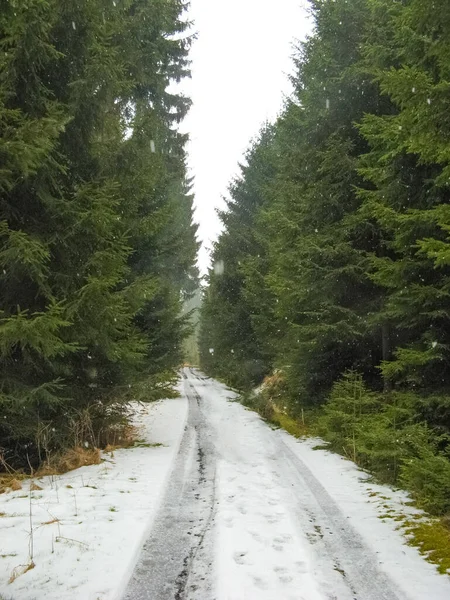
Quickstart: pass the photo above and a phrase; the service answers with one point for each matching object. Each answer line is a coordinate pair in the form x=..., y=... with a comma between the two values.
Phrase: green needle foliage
x=334, y=259
x=97, y=244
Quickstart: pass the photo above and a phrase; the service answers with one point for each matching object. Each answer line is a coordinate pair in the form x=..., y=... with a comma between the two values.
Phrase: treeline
x=333, y=268
x=97, y=244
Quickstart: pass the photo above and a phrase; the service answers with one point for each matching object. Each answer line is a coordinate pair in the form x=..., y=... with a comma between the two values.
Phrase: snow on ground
x=297, y=523
x=89, y=524
x=369, y=507
x=237, y=511
x=260, y=552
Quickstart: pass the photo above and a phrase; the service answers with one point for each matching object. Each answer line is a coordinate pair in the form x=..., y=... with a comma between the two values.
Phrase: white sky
x=240, y=68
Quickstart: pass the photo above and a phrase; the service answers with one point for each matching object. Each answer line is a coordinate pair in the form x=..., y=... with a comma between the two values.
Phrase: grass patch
x=72, y=459
x=11, y=482
x=400, y=518
x=21, y=570
x=293, y=426
x=432, y=538
x=144, y=444
x=265, y=405
x=55, y=520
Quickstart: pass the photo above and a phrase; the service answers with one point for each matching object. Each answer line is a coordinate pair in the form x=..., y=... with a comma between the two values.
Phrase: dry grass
x=10, y=482
x=125, y=437
x=293, y=426
x=274, y=386
x=55, y=520
x=15, y=485
x=70, y=460
x=121, y=436
x=70, y=541
x=21, y=570
x=271, y=402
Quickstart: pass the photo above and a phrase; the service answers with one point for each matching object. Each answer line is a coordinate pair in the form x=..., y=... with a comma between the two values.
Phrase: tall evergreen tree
x=409, y=168
x=229, y=341
x=340, y=278
x=97, y=241
x=317, y=249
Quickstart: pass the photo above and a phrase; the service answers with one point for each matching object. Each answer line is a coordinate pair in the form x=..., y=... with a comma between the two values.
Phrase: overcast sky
x=240, y=68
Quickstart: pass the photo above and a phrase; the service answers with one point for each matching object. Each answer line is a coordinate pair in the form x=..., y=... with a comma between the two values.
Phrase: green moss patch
x=292, y=426
x=432, y=537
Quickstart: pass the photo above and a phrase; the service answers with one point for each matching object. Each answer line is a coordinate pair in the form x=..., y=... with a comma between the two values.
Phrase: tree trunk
x=386, y=351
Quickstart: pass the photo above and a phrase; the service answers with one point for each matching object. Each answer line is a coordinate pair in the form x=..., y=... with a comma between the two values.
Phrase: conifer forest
x=97, y=241
x=331, y=278
x=329, y=286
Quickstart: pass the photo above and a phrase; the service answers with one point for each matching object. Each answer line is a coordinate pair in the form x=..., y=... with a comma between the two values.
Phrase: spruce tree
x=93, y=180
x=408, y=167
x=230, y=338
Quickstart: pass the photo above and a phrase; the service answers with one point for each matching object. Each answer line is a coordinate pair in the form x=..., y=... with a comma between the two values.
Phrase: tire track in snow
x=175, y=561
x=291, y=493
x=352, y=558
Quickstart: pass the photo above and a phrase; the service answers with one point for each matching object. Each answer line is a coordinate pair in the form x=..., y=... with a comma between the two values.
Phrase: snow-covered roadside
x=293, y=522
x=370, y=508
x=89, y=524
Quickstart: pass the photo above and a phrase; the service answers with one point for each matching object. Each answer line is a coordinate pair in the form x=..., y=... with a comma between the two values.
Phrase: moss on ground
x=432, y=538
x=292, y=426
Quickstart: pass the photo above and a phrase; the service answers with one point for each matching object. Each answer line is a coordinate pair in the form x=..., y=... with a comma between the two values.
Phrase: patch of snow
x=89, y=524
x=254, y=514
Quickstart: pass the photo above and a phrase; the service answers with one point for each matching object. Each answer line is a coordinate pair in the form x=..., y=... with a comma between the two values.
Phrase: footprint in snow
x=255, y=535
x=283, y=539
x=272, y=518
x=228, y=522
x=280, y=570
x=260, y=583
x=301, y=566
x=239, y=558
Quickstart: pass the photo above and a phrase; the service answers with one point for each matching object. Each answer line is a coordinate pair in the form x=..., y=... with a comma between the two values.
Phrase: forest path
x=245, y=517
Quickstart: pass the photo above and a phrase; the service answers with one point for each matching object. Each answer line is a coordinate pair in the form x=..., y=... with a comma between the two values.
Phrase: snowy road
x=251, y=513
